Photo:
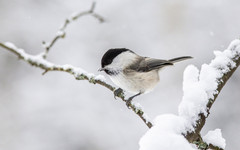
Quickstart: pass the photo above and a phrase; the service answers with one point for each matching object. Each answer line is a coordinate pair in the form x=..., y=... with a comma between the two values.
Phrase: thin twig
x=61, y=33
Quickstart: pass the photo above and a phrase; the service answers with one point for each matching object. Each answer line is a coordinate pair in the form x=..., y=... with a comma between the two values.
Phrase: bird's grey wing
x=148, y=64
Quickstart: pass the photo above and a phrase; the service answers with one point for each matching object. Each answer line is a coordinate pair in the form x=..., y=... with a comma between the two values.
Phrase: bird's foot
x=118, y=93
x=129, y=102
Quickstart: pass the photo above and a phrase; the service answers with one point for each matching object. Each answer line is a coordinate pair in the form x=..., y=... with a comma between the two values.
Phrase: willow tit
x=133, y=73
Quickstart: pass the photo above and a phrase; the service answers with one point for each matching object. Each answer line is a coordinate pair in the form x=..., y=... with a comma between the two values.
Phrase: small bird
x=133, y=73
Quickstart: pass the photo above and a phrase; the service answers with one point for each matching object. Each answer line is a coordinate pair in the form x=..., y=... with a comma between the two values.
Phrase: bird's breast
x=135, y=82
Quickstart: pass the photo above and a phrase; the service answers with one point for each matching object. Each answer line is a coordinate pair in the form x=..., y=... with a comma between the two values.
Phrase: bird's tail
x=174, y=60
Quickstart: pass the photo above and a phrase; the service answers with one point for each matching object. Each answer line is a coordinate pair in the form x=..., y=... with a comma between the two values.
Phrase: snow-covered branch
x=61, y=33
x=201, y=89
x=78, y=73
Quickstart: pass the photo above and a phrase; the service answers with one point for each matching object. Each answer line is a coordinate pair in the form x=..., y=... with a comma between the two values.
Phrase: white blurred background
x=57, y=112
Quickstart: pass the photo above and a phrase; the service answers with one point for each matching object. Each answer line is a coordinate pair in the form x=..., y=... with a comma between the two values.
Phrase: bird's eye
x=107, y=71
x=110, y=72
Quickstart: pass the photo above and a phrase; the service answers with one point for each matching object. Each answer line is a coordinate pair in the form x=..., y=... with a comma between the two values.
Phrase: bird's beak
x=101, y=69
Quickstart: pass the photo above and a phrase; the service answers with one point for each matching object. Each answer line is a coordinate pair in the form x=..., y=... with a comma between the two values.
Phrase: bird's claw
x=129, y=102
x=118, y=92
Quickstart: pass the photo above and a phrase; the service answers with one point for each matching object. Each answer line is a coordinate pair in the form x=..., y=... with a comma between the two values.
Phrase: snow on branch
x=215, y=138
x=40, y=62
x=79, y=74
x=201, y=89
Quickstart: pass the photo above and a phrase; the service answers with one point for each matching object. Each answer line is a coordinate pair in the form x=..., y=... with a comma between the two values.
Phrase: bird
x=134, y=73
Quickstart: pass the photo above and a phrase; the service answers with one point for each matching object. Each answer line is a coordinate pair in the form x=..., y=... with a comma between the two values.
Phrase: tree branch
x=233, y=54
x=78, y=73
x=61, y=33
x=200, y=90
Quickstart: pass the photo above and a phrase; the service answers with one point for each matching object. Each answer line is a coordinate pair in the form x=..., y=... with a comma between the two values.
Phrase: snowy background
x=56, y=112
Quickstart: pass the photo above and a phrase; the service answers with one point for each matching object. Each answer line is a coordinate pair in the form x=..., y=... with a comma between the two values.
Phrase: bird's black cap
x=111, y=54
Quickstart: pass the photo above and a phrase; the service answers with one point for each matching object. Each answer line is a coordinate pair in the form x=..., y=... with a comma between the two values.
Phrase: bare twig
x=61, y=33
x=78, y=73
